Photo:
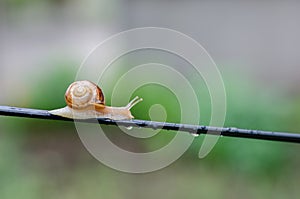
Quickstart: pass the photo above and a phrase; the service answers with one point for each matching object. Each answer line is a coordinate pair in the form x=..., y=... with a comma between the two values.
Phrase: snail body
x=85, y=100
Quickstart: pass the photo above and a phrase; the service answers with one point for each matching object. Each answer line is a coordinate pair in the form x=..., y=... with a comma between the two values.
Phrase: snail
x=85, y=100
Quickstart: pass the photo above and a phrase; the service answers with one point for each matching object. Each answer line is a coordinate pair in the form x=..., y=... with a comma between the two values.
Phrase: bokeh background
x=255, y=45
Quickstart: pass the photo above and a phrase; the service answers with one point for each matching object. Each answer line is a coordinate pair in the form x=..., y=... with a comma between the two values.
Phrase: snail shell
x=82, y=94
x=85, y=100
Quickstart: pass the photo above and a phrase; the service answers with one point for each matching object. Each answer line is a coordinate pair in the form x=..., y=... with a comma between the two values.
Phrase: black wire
x=193, y=129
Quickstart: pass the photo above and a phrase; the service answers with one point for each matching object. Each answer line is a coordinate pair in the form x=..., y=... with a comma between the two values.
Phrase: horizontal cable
x=193, y=129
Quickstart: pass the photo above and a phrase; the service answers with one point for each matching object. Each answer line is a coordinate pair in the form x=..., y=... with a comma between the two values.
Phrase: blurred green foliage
x=48, y=90
x=49, y=161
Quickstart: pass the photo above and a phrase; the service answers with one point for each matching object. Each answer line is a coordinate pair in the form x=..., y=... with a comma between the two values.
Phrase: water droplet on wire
x=129, y=127
x=195, y=134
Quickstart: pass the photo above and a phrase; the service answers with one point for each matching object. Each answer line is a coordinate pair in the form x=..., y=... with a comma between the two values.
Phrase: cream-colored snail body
x=85, y=100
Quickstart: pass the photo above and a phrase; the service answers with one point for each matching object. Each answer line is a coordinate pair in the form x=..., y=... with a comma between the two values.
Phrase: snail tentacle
x=133, y=102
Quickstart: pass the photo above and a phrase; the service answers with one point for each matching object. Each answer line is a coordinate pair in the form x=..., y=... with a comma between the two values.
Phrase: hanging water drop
x=129, y=127
x=195, y=134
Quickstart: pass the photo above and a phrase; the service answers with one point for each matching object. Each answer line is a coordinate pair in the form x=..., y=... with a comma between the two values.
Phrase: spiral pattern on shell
x=81, y=94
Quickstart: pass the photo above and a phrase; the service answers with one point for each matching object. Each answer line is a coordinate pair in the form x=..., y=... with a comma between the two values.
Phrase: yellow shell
x=82, y=94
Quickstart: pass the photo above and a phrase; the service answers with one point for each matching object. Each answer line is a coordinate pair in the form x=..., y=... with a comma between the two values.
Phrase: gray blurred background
x=260, y=38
